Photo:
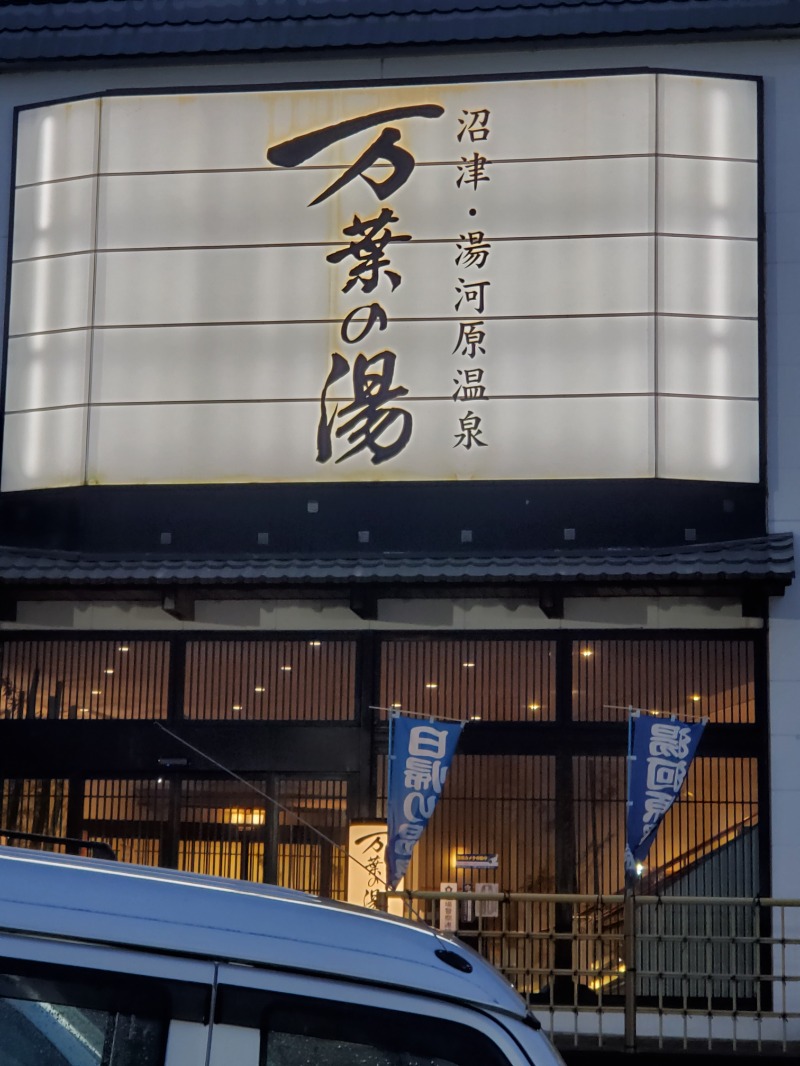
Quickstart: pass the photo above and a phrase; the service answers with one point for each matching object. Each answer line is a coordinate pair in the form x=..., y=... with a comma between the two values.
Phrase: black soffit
x=759, y=561
x=38, y=31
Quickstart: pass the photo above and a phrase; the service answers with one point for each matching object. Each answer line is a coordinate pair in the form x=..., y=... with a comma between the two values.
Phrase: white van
x=106, y=964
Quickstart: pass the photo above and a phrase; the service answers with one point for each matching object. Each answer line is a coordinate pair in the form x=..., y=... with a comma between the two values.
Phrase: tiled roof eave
x=765, y=561
x=103, y=29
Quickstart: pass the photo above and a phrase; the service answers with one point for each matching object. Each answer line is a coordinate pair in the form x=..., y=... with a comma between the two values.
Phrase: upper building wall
x=559, y=511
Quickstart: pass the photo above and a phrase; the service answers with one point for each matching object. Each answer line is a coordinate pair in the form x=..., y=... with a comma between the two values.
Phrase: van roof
x=167, y=911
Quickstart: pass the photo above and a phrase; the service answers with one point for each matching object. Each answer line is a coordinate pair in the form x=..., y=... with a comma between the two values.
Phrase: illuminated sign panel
x=366, y=866
x=490, y=280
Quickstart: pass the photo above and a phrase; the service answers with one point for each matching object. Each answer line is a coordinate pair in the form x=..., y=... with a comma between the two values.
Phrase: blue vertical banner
x=420, y=753
x=660, y=752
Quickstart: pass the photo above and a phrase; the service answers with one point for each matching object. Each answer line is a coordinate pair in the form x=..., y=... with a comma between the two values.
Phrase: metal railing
x=640, y=972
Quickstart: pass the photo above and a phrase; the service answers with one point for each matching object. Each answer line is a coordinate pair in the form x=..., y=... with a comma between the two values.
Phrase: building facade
x=441, y=362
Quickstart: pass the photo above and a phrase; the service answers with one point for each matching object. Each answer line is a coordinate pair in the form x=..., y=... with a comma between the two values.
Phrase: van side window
x=293, y=1049
x=36, y=1033
x=315, y=1033
x=68, y=1016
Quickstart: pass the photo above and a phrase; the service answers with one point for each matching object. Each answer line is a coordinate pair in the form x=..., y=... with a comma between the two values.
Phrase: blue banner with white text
x=660, y=753
x=420, y=753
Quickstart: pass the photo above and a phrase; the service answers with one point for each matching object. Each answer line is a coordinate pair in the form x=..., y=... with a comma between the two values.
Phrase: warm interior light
x=286, y=669
x=243, y=816
x=109, y=670
x=609, y=977
x=431, y=684
x=236, y=707
x=97, y=692
x=314, y=643
x=587, y=653
x=259, y=688
x=397, y=705
x=534, y=706
x=465, y=665
x=123, y=647
x=475, y=718
x=695, y=698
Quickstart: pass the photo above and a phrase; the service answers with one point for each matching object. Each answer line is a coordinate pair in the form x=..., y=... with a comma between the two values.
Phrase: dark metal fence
x=690, y=973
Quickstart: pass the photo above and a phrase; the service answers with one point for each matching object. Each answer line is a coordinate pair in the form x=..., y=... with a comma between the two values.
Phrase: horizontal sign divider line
x=455, y=319
x=414, y=241
x=266, y=169
x=708, y=158
x=411, y=398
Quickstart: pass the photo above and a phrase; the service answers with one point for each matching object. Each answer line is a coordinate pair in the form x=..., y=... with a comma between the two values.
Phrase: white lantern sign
x=366, y=866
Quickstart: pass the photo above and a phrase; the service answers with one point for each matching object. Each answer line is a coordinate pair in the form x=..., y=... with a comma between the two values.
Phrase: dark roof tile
x=760, y=560
x=31, y=30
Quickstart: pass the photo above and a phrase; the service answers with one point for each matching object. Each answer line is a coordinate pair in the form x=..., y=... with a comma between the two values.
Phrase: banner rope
x=265, y=795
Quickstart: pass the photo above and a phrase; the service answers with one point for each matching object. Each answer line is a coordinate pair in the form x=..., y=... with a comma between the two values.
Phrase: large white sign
x=551, y=278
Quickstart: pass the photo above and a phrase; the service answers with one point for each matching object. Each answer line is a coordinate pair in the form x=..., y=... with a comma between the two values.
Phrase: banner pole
x=389, y=757
x=629, y=915
x=629, y=877
x=629, y=934
x=392, y=719
x=427, y=715
x=660, y=752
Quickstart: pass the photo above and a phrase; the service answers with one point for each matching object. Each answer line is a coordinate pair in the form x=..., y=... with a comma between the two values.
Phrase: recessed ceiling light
x=314, y=643
x=97, y=692
x=397, y=705
x=123, y=647
x=236, y=707
x=431, y=684
x=260, y=688
x=695, y=698
x=286, y=669
x=465, y=665
x=534, y=706
x=109, y=670
x=474, y=718
x=587, y=653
